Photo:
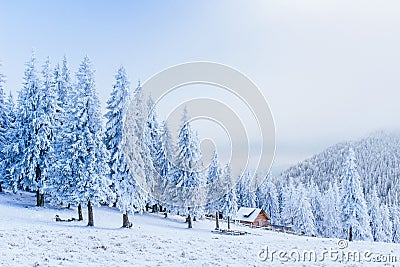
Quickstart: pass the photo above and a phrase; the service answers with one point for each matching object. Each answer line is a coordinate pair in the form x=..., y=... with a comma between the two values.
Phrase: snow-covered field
x=30, y=236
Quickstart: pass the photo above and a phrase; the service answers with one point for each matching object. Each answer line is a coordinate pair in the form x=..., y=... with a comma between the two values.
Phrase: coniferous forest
x=55, y=141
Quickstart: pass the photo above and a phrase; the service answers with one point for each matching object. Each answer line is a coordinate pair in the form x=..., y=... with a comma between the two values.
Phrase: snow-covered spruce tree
x=86, y=155
x=4, y=129
x=213, y=177
x=35, y=126
x=153, y=143
x=229, y=206
x=187, y=178
x=288, y=204
x=62, y=183
x=316, y=206
x=374, y=214
x=136, y=150
x=47, y=108
x=246, y=197
x=303, y=220
x=395, y=219
x=385, y=234
x=353, y=206
x=10, y=143
x=269, y=199
x=165, y=166
x=331, y=224
x=129, y=197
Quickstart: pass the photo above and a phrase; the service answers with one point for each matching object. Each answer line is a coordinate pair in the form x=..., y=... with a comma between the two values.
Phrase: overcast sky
x=328, y=69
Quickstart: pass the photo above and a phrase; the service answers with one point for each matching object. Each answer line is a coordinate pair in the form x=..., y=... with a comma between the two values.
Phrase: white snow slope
x=30, y=236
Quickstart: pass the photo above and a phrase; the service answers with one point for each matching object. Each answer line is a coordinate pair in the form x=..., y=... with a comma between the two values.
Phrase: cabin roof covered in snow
x=249, y=214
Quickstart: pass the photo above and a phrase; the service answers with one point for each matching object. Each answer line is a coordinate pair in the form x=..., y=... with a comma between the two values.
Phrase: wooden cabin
x=253, y=217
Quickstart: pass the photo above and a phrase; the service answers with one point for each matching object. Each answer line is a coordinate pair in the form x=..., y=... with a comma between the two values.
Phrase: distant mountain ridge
x=378, y=161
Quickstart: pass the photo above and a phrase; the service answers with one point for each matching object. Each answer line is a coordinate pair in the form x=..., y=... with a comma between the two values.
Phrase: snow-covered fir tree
x=229, y=206
x=129, y=196
x=249, y=199
x=165, y=169
x=62, y=183
x=35, y=132
x=246, y=197
x=10, y=145
x=86, y=155
x=316, y=206
x=48, y=106
x=213, y=184
x=4, y=129
x=331, y=224
x=297, y=211
x=395, y=219
x=374, y=215
x=303, y=220
x=188, y=179
x=288, y=204
x=136, y=151
x=353, y=206
x=385, y=233
x=153, y=143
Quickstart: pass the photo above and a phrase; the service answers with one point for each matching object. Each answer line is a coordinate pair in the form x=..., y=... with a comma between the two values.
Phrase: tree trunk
x=39, y=199
x=147, y=207
x=189, y=219
x=125, y=220
x=351, y=234
x=1, y=189
x=80, y=216
x=216, y=221
x=42, y=200
x=69, y=206
x=90, y=214
x=229, y=223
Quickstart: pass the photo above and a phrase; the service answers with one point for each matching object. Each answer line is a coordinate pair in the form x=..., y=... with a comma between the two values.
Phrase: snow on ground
x=30, y=236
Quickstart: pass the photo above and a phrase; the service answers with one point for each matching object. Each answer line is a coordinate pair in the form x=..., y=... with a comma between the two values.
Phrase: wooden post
x=229, y=223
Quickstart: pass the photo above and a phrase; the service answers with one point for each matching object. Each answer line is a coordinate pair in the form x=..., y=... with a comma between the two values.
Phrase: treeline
x=53, y=143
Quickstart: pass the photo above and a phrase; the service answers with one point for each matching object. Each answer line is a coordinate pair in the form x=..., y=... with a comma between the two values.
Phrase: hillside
x=378, y=158
x=29, y=236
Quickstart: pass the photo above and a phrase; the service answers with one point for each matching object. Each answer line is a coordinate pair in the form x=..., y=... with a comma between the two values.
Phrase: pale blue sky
x=329, y=69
